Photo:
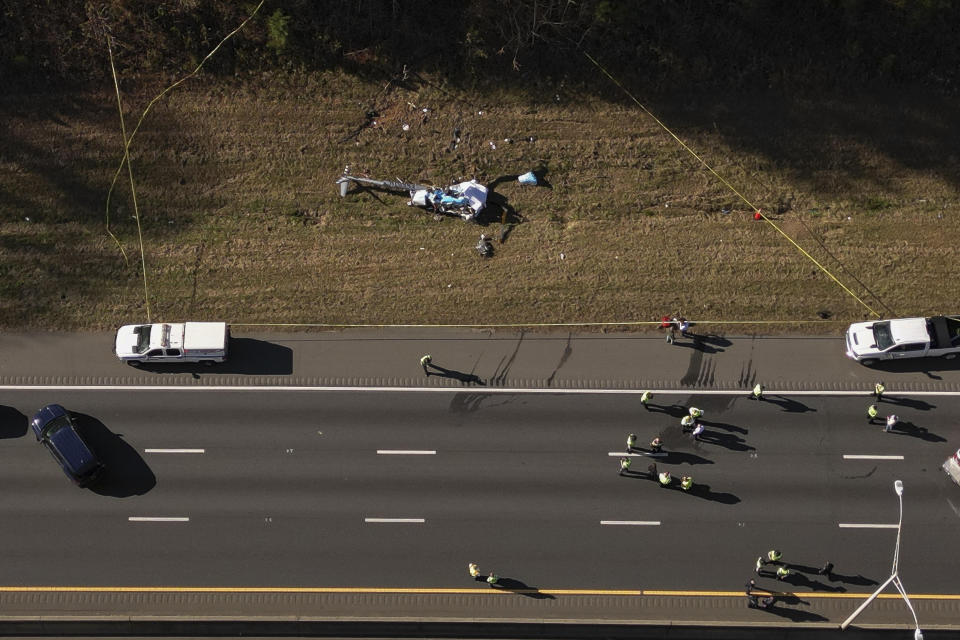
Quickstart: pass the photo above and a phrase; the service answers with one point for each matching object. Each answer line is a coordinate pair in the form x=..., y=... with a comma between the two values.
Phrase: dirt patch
x=242, y=221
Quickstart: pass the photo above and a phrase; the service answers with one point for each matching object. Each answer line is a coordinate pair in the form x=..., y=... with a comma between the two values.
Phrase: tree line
x=662, y=44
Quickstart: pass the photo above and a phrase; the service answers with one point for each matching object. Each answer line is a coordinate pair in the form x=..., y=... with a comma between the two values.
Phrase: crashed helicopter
x=465, y=199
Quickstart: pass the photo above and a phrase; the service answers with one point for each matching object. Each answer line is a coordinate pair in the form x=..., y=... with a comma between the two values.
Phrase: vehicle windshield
x=881, y=335
x=55, y=425
x=953, y=330
x=143, y=339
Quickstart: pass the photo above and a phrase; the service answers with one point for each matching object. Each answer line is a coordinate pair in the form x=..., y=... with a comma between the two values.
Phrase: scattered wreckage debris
x=465, y=199
x=484, y=246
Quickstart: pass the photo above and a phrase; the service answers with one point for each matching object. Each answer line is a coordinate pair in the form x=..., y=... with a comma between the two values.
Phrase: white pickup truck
x=203, y=342
x=870, y=342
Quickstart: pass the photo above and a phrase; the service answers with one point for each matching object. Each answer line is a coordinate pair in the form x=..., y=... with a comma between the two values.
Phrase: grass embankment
x=242, y=221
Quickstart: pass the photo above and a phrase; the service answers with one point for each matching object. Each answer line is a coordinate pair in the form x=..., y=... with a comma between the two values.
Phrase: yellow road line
x=483, y=591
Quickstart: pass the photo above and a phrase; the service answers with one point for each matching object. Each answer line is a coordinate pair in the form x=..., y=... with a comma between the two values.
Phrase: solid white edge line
x=407, y=452
x=174, y=450
x=157, y=519
x=481, y=390
x=651, y=523
x=870, y=457
x=398, y=520
x=624, y=454
x=849, y=525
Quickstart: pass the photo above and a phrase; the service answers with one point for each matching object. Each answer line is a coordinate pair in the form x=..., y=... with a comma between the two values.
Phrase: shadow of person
x=696, y=342
x=13, y=424
x=464, y=378
x=518, y=587
x=788, y=404
x=910, y=403
x=794, y=615
x=675, y=410
x=912, y=430
x=800, y=580
x=858, y=579
x=724, y=425
x=703, y=491
x=725, y=440
x=679, y=457
x=125, y=473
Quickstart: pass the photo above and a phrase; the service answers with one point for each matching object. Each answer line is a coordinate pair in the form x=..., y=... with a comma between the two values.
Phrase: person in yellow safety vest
x=696, y=413
x=425, y=362
x=774, y=555
x=645, y=399
x=872, y=413
x=758, y=391
x=631, y=441
x=665, y=479
x=686, y=482
x=782, y=572
x=624, y=465
x=655, y=445
x=492, y=579
x=474, y=570
x=686, y=423
x=878, y=390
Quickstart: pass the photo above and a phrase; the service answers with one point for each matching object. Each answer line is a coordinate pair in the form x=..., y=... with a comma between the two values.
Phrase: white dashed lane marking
x=395, y=520
x=174, y=450
x=405, y=452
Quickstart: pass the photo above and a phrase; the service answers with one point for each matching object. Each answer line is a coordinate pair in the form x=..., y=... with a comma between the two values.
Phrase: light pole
x=894, y=578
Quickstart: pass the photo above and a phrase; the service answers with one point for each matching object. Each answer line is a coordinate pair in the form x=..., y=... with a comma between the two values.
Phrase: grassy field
x=242, y=221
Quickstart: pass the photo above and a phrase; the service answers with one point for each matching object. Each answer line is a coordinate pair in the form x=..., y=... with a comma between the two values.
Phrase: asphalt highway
x=277, y=488
x=324, y=474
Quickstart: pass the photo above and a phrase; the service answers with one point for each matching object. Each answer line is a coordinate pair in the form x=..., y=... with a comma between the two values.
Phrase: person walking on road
x=665, y=479
x=872, y=414
x=474, y=570
x=892, y=421
x=493, y=579
x=773, y=556
x=878, y=390
x=686, y=423
x=686, y=483
x=757, y=392
x=697, y=430
x=656, y=445
x=425, y=362
x=783, y=572
x=631, y=442
x=827, y=570
x=624, y=466
x=695, y=413
x=667, y=323
x=645, y=398
x=761, y=563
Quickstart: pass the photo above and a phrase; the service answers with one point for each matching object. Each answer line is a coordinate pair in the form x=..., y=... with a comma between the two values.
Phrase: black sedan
x=54, y=427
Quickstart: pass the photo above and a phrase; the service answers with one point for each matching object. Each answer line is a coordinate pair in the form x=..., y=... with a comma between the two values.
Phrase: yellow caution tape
x=127, y=141
x=727, y=184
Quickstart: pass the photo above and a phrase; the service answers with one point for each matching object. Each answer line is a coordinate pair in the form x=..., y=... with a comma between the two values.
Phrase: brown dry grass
x=243, y=222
